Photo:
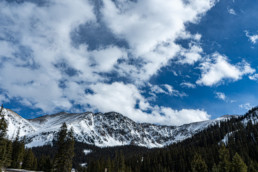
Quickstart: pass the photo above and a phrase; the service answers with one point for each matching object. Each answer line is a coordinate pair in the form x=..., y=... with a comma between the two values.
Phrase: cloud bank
x=49, y=62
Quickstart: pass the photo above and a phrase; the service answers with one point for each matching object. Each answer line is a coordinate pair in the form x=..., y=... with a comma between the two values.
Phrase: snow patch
x=87, y=151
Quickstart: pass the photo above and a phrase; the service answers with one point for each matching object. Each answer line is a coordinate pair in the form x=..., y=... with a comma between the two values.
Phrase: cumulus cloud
x=124, y=98
x=150, y=28
x=43, y=67
x=220, y=96
x=217, y=69
x=186, y=115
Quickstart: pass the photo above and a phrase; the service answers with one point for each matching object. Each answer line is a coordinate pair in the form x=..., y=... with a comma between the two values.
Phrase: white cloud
x=220, y=96
x=231, y=11
x=42, y=66
x=105, y=59
x=188, y=85
x=169, y=88
x=157, y=89
x=117, y=97
x=186, y=115
x=246, y=106
x=6, y=49
x=186, y=35
x=191, y=55
x=46, y=36
x=166, y=89
x=252, y=38
x=151, y=27
x=123, y=98
x=254, y=76
x=218, y=69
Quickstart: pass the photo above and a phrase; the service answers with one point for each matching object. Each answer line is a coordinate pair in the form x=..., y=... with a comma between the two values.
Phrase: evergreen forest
x=228, y=146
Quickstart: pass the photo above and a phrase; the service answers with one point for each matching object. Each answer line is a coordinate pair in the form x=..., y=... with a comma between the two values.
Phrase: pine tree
x=121, y=162
x=28, y=160
x=65, y=153
x=224, y=164
x=45, y=164
x=238, y=165
x=48, y=165
x=215, y=168
x=198, y=164
x=35, y=164
x=59, y=163
x=109, y=164
x=18, y=152
x=253, y=167
x=8, y=155
x=69, y=154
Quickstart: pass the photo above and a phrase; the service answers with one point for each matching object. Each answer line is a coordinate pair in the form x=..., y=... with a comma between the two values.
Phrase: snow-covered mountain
x=108, y=129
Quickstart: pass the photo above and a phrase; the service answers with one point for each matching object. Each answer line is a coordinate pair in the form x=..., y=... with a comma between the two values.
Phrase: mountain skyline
x=103, y=129
x=157, y=61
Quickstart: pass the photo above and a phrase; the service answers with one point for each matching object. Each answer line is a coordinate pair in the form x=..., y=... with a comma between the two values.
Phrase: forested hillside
x=227, y=146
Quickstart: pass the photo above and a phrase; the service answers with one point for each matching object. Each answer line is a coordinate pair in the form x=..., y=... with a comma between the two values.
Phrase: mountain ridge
x=101, y=129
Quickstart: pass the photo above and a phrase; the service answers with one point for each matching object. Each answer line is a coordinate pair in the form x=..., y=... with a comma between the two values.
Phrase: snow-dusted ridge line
x=251, y=116
x=103, y=130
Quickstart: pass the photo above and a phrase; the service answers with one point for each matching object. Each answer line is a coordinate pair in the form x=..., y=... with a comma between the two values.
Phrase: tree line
x=228, y=146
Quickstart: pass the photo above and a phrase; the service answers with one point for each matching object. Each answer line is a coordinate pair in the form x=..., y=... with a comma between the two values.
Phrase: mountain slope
x=240, y=133
x=15, y=123
x=102, y=130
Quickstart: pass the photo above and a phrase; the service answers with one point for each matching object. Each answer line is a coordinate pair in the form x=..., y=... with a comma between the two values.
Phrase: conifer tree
x=65, y=153
x=109, y=164
x=35, y=164
x=121, y=163
x=18, y=152
x=48, y=165
x=28, y=160
x=59, y=163
x=253, y=167
x=8, y=155
x=45, y=164
x=238, y=165
x=198, y=164
x=224, y=164
x=215, y=168
x=69, y=154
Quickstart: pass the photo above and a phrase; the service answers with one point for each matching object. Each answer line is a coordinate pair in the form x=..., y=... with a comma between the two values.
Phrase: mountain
x=102, y=130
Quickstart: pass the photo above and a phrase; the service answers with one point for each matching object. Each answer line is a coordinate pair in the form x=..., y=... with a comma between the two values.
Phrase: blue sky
x=158, y=61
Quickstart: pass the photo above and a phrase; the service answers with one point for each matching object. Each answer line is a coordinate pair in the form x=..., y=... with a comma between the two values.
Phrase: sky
x=167, y=62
